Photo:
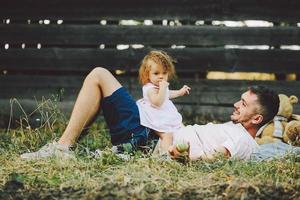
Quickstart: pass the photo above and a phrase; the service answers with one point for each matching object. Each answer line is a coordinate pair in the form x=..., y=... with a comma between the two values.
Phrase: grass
x=143, y=177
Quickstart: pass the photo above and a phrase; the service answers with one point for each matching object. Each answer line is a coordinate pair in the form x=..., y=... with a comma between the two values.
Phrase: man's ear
x=257, y=119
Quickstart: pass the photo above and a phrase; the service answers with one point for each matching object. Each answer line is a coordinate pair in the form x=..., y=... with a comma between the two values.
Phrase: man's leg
x=98, y=84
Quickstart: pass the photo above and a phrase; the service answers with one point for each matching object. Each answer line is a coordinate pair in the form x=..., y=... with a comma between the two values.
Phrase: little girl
x=157, y=112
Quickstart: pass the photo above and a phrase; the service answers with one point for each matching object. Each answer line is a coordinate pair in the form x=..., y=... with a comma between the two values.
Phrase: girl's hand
x=163, y=84
x=184, y=90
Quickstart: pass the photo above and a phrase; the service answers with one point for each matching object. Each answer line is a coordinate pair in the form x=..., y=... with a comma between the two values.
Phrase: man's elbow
x=220, y=153
x=226, y=152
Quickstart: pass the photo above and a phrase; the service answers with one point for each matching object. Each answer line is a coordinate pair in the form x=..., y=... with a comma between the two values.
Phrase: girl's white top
x=165, y=118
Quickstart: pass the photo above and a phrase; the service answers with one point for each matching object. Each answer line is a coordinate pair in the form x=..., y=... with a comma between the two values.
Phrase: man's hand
x=174, y=152
x=182, y=157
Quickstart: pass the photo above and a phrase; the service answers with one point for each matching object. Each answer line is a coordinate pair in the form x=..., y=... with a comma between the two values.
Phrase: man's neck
x=252, y=131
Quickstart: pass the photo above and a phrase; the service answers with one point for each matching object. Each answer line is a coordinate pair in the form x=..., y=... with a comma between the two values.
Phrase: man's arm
x=221, y=151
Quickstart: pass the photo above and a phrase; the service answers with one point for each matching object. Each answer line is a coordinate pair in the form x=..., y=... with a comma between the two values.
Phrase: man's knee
x=104, y=79
x=99, y=71
x=97, y=74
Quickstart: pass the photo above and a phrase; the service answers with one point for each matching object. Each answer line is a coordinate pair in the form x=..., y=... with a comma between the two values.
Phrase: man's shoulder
x=237, y=126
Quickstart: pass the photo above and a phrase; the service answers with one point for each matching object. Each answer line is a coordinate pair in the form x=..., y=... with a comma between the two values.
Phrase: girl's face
x=157, y=73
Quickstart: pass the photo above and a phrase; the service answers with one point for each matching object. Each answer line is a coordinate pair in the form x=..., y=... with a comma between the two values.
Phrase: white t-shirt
x=165, y=118
x=206, y=138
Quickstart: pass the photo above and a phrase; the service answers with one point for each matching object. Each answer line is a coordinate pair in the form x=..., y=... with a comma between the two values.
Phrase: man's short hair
x=268, y=100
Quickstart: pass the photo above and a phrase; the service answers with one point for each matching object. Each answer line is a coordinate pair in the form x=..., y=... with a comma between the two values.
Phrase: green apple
x=182, y=147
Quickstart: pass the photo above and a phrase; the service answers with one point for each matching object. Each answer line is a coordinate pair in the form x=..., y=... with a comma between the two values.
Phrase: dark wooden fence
x=49, y=46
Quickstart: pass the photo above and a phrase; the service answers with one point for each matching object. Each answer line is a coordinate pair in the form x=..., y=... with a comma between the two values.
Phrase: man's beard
x=234, y=121
x=232, y=117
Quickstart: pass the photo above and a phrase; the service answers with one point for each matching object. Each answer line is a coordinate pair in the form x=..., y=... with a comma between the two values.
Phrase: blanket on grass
x=274, y=150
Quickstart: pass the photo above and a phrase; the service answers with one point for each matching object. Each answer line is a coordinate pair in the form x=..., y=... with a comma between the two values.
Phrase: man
x=101, y=89
x=256, y=107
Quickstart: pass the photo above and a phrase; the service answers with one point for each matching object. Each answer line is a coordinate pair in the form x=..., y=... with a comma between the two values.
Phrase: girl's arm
x=158, y=96
x=178, y=93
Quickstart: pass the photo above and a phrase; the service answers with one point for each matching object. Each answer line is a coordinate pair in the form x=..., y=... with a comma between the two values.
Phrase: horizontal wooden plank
x=31, y=110
x=61, y=35
x=209, y=99
x=68, y=60
x=204, y=92
x=168, y=9
x=191, y=113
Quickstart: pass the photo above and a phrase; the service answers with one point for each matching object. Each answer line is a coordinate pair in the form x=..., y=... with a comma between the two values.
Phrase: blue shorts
x=122, y=117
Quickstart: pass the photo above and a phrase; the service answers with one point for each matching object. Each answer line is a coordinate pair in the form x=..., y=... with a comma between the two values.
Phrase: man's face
x=245, y=110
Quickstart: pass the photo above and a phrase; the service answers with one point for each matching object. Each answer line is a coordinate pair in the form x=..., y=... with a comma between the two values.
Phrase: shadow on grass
x=235, y=190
